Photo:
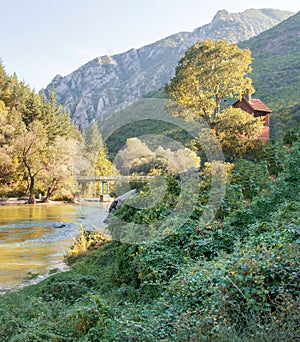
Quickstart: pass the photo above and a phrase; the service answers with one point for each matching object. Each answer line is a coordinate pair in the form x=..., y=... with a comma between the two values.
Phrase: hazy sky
x=42, y=38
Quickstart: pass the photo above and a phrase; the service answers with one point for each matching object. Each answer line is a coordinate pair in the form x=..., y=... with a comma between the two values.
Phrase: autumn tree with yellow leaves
x=209, y=72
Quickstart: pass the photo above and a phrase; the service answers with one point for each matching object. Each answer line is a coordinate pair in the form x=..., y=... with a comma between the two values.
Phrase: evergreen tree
x=103, y=166
x=6, y=136
x=93, y=141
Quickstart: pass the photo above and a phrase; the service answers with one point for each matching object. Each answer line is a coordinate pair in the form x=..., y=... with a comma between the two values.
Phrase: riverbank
x=33, y=279
x=23, y=200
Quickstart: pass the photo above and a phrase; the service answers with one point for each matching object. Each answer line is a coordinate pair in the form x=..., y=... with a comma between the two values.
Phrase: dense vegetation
x=41, y=150
x=236, y=279
x=37, y=143
x=233, y=279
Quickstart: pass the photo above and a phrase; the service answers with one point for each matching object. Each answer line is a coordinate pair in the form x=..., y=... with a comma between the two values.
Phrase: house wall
x=266, y=129
x=267, y=120
x=265, y=134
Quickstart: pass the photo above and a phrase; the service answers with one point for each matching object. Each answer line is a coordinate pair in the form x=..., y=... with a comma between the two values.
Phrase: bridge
x=105, y=180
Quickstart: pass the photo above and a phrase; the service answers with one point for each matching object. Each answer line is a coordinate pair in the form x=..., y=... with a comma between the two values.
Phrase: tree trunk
x=218, y=107
x=31, y=199
x=48, y=194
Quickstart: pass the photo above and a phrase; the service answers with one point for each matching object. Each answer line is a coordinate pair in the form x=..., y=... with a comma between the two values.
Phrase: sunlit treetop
x=207, y=73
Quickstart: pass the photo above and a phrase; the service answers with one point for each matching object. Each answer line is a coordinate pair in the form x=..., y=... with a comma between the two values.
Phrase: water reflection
x=29, y=241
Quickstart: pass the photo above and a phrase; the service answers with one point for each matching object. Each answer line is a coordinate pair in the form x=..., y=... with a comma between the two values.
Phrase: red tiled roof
x=256, y=104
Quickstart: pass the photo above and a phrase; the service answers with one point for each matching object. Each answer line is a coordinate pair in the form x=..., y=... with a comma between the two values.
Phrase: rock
x=58, y=225
x=117, y=203
x=193, y=169
x=109, y=82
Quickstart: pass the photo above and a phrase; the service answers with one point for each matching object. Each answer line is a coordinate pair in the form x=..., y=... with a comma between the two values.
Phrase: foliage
x=37, y=142
x=93, y=160
x=237, y=132
x=209, y=72
x=275, y=73
x=162, y=156
x=143, y=127
x=234, y=279
x=93, y=141
x=86, y=240
x=6, y=134
x=57, y=172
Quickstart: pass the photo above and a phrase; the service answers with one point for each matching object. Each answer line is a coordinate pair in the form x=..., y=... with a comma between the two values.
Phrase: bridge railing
x=84, y=179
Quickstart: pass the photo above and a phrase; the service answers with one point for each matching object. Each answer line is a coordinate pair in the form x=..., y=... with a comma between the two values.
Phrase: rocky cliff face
x=110, y=82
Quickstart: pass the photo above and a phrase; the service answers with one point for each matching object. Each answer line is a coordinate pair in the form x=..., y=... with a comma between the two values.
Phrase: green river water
x=35, y=238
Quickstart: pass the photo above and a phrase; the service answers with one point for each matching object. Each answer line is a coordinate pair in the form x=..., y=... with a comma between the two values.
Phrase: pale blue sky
x=42, y=38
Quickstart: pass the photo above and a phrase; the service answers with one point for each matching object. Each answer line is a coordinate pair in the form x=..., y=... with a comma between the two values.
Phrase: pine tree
x=93, y=142
x=103, y=166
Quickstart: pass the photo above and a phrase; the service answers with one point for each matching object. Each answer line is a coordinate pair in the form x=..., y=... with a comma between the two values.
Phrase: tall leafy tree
x=207, y=73
x=31, y=149
x=57, y=173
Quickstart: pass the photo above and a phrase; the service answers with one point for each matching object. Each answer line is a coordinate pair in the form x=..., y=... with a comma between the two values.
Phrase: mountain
x=276, y=72
x=110, y=82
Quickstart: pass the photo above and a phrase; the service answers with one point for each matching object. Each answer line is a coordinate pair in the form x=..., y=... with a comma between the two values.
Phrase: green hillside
x=208, y=255
x=234, y=279
x=276, y=72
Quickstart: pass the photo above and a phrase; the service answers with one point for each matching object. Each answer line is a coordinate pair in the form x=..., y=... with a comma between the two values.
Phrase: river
x=35, y=238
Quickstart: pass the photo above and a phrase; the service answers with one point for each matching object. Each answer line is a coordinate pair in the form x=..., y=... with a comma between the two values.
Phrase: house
x=258, y=109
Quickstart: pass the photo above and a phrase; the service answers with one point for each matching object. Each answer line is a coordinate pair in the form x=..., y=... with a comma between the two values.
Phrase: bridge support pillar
x=104, y=188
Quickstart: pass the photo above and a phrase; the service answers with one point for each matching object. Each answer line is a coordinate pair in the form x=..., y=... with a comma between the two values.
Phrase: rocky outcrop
x=118, y=202
x=110, y=82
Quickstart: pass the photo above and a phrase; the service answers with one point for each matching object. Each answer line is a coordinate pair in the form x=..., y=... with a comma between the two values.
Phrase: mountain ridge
x=108, y=82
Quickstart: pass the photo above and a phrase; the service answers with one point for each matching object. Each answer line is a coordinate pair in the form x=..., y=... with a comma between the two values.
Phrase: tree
x=6, y=133
x=36, y=138
x=103, y=166
x=31, y=150
x=238, y=131
x=138, y=157
x=57, y=173
x=135, y=153
x=207, y=73
x=56, y=121
x=4, y=84
x=93, y=141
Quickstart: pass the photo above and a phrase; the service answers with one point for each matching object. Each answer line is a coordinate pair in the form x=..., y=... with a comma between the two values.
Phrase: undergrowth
x=234, y=280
